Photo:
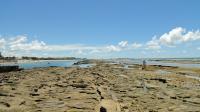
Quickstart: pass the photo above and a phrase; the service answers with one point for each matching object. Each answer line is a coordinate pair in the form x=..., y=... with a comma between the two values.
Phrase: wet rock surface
x=101, y=88
x=9, y=68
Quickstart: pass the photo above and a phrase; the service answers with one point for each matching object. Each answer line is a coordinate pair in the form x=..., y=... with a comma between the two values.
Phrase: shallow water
x=139, y=61
x=163, y=72
x=85, y=65
x=49, y=63
x=174, y=64
x=193, y=77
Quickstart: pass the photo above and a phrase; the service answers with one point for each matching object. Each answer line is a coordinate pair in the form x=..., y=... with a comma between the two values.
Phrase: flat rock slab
x=107, y=105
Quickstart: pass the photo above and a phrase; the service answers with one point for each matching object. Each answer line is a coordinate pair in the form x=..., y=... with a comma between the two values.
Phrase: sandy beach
x=101, y=88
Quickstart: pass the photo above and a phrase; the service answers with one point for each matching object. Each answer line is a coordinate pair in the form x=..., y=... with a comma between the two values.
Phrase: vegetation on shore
x=47, y=58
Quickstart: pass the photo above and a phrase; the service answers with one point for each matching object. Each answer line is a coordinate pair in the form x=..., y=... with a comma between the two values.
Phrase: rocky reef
x=102, y=88
x=9, y=68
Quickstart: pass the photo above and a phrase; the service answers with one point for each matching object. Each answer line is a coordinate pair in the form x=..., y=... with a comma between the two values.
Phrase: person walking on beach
x=144, y=65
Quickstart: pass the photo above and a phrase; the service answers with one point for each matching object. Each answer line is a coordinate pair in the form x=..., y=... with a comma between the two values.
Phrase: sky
x=100, y=28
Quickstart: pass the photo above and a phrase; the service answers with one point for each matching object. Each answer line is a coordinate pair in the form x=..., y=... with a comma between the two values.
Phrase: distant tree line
x=47, y=58
x=35, y=58
x=7, y=58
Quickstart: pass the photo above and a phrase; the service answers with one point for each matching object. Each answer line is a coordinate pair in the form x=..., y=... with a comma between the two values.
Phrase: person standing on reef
x=144, y=65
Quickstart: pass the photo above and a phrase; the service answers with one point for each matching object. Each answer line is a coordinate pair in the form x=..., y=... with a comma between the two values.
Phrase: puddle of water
x=124, y=67
x=127, y=67
x=163, y=72
x=85, y=65
x=193, y=77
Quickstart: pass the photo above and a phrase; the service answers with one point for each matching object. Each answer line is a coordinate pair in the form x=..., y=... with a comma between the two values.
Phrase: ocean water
x=174, y=64
x=69, y=63
x=49, y=63
x=149, y=62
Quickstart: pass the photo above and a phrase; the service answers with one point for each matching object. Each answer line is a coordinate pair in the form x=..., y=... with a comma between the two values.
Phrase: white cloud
x=79, y=52
x=179, y=35
x=123, y=44
x=20, y=44
x=136, y=45
x=69, y=47
x=95, y=51
x=2, y=43
x=172, y=38
x=191, y=36
x=18, y=40
x=112, y=48
x=153, y=44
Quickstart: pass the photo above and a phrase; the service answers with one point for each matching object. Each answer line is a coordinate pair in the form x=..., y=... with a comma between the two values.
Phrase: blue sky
x=95, y=28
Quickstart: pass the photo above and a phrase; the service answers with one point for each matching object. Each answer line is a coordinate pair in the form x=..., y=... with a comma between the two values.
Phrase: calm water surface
x=69, y=63
x=139, y=61
x=49, y=63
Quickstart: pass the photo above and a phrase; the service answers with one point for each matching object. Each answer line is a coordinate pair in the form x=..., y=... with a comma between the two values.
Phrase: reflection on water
x=163, y=72
x=60, y=63
x=69, y=63
x=174, y=64
x=85, y=65
x=193, y=77
x=50, y=63
x=149, y=62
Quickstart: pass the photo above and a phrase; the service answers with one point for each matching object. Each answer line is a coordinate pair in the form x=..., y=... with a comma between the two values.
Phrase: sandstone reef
x=104, y=87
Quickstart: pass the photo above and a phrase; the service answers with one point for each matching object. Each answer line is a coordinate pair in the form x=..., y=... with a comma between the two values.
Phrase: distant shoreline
x=29, y=61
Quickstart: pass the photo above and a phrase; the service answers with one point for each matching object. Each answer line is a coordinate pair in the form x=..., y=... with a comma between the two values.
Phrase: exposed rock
x=9, y=68
x=103, y=88
x=108, y=106
x=192, y=100
x=34, y=94
x=5, y=104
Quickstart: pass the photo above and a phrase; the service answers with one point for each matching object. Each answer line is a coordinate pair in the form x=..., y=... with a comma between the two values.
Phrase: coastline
x=28, y=61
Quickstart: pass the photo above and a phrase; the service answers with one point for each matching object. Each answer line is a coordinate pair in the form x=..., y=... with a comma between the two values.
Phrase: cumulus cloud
x=123, y=44
x=136, y=45
x=172, y=38
x=20, y=44
x=153, y=44
x=2, y=43
x=18, y=40
x=112, y=48
x=69, y=47
x=179, y=35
